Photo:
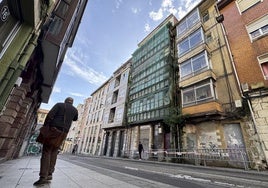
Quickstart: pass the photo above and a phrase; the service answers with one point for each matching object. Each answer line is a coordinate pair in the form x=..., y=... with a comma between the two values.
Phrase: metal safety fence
x=233, y=157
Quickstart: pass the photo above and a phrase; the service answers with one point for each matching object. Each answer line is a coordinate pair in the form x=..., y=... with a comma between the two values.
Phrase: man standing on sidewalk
x=140, y=150
x=61, y=117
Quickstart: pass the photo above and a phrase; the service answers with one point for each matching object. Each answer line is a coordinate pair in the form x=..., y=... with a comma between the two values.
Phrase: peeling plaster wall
x=202, y=136
x=260, y=110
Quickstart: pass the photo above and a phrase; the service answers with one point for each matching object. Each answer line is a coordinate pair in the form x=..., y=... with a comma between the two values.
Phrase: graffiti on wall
x=204, y=136
x=235, y=142
x=233, y=136
x=208, y=140
x=33, y=148
x=191, y=141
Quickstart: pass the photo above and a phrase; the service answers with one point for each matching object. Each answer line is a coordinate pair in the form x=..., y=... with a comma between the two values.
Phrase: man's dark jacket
x=61, y=116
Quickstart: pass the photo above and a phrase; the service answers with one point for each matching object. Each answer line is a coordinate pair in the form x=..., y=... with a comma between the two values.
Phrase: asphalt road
x=175, y=175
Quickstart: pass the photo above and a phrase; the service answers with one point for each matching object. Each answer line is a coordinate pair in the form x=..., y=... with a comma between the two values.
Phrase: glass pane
x=199, y=62
x=192, y=19
x=184, y=46
x=265, y=69
x=56, y=26
x=182, y=27
x=203, y=92
x=188, y=96
x=255, y=34
x=195, y=39
x=186, y=69
x=206, y=16
x=265, y=29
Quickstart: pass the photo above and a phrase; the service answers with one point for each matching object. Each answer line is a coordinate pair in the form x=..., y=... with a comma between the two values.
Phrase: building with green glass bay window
x=151, y=87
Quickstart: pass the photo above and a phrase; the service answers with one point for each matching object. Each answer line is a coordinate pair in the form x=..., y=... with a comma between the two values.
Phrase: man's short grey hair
x=69, y=100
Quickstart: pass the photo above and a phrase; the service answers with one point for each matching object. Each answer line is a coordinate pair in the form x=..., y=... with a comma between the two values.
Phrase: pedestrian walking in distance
x=60, y=117
x=140, y=150
x=75, y=149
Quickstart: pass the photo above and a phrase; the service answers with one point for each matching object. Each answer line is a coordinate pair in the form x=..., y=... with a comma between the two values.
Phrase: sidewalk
x=23, y=172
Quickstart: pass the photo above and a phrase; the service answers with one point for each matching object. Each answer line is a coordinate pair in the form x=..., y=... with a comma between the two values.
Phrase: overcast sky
x=108, y=35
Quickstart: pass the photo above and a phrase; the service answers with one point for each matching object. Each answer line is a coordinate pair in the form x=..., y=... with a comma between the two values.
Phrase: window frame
x=258, y=26
x=185, y=24
x=263, y=59
x=187, y=40
x=191, y=62
x=194, y=89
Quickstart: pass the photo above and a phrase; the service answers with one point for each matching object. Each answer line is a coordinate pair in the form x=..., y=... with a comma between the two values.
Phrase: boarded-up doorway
x=235, y=145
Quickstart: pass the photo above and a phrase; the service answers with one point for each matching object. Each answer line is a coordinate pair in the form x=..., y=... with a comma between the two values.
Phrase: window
x=117, y=81
x=62, y=9
x=263, y=60
x=209, y=38
x=194, y=65
x=188, y=22
x=258, y=28
x=198, y=93
x=190, y=42
x=243, y=5
x=205, y=16
x=259, y=32
x=111, y=116
x=56, y=26
x=264, y=67
x=115, y=96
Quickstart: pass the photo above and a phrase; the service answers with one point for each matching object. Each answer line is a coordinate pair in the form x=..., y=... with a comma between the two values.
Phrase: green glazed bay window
x=150, y=115
x=151, y=102
x=150, y=79
x=156, y=43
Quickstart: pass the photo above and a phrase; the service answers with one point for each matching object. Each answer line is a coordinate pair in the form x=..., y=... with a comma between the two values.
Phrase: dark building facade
x=35, y=36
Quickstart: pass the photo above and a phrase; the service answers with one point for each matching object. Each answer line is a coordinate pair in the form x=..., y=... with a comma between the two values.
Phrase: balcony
x=197, y=77
x=209, y=108
x=189, y=31
x=192, y=52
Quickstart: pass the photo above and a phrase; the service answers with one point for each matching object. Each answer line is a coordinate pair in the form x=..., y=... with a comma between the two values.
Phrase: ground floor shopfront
x=216, y=143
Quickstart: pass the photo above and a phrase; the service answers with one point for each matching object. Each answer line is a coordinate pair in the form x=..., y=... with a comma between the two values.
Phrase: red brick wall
x=243, y=50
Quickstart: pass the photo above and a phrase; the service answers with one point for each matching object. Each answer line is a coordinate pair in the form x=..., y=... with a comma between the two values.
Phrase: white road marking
x=131, y=168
